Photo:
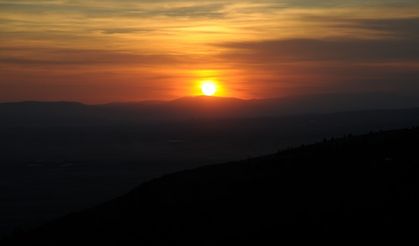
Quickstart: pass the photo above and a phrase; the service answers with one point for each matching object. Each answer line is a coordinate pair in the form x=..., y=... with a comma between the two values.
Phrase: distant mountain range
x=351, y=189
x=191, y=108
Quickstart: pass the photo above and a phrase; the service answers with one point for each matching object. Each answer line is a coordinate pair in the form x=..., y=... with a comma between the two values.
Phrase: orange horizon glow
x=105, y=51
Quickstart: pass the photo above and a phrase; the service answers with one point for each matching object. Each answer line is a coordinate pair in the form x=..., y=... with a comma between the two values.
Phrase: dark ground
x=47, y=172
x=352, y=189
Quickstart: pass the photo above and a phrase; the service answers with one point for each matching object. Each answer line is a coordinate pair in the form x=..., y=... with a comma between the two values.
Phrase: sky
x=102, y=51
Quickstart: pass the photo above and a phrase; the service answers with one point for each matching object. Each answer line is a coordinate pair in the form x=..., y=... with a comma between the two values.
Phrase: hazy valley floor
x=341, y=190
x=47, y=172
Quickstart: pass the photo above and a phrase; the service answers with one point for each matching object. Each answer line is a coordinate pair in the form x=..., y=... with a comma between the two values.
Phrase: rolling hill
x=191, y=108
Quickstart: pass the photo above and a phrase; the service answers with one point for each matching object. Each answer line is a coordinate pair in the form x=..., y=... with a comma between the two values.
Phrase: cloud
x=124, y=30
x=389, y=62
x=404, y=28
x=399, y=45
x=323, y=50
x=188, y=9
x=213, y=10
x=400, y=28
x=311, y=44
x=90, y=57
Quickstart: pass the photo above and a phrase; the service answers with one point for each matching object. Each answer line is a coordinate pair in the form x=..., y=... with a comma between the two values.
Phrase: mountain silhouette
x=351, y=189
x=192, y=108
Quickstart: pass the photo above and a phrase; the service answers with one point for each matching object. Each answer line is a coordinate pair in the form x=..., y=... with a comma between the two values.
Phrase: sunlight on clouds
x=177, y=38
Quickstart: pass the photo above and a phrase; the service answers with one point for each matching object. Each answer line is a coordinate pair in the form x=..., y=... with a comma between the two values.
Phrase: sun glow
x=208, y=87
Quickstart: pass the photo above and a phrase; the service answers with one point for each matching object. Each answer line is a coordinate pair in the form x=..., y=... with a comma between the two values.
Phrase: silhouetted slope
x=347, y=188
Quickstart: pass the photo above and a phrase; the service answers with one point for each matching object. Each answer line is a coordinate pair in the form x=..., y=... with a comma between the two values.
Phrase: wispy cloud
x=90, y=57
x=309, y=44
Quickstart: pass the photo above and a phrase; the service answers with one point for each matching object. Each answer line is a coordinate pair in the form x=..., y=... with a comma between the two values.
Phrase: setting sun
x=208, y=88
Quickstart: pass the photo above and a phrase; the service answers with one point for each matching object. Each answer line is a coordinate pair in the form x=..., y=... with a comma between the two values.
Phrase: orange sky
x=127, y=50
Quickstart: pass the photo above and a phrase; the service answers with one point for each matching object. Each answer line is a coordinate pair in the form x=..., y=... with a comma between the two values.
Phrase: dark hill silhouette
x=346, y=189
x=191, y=108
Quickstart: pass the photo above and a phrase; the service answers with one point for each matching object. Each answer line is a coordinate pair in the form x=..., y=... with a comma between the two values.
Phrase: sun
x=208, y=88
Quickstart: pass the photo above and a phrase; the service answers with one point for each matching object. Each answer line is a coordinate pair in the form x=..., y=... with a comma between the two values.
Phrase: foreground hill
x=348, y=188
